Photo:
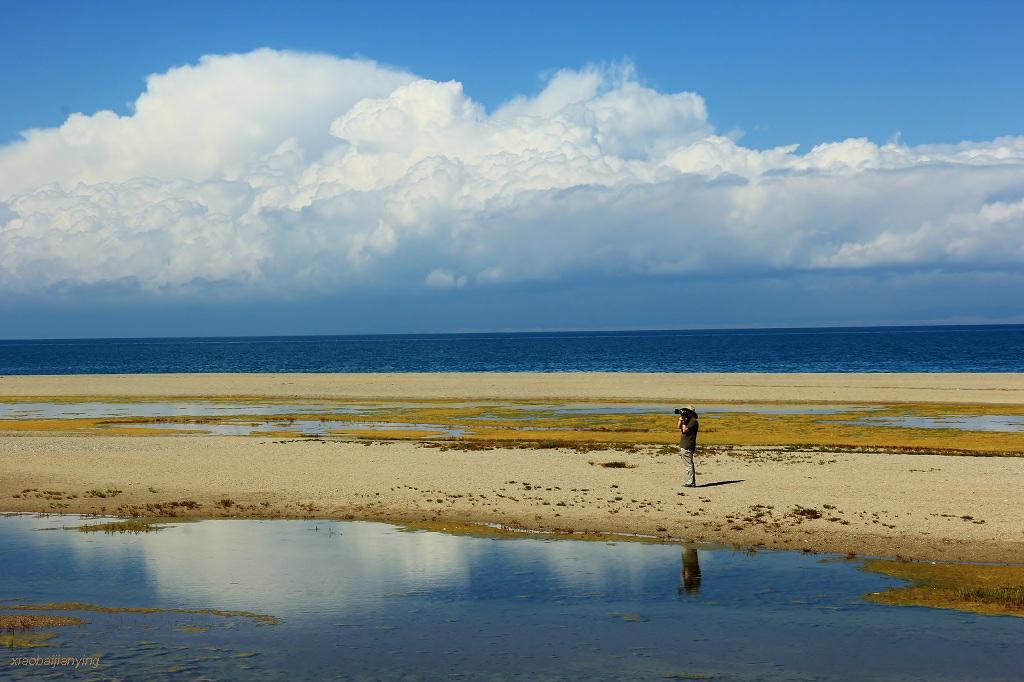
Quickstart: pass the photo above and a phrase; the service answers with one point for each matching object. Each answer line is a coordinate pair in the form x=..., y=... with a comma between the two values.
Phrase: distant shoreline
x=922, y=328
x=961, y=388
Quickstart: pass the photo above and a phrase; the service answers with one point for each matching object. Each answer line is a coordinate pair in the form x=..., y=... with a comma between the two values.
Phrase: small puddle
x=157, y=409
x=982, y=422
x=652, y=408
x=306, y=427
x=104, y=410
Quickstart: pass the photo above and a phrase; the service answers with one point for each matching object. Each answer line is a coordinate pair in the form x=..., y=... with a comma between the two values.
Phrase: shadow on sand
x=712, y=485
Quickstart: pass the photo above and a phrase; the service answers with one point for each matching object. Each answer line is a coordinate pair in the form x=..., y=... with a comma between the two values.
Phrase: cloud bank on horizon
x=285, y=172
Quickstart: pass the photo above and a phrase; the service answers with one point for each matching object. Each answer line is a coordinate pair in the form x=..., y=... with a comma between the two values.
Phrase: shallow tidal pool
x=308, y=600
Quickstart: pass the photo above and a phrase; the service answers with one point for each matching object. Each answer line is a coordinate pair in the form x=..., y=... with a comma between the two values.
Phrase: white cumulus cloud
x=279, y=171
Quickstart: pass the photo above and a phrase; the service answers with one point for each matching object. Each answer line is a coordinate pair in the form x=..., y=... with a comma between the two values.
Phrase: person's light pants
x=691, y=472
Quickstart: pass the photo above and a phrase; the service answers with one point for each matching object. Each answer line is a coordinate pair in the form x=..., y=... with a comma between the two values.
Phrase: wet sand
x=892, y=503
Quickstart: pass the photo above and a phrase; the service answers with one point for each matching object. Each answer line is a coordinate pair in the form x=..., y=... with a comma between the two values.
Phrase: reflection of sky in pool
x=981, y=422
x=307, y=427
x=101, y=410
x=158, y=409
x=631, y=409
x=365, y=601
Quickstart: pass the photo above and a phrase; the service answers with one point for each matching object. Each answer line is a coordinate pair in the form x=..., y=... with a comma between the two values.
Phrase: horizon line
x=541, y=332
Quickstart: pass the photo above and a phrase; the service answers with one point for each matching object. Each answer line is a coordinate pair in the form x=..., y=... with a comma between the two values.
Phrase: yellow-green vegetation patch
x=575, y=436
x=20, y=639
x=987, y=589
x=148, y=431
x=478, y=530
x=80, y=606
x=49, y=425
x=520, y=421
x=509, y=423
x=749, y=428
x=475, y=443
x=132, y=526
x=20, y=630
x=829, y=430
x=490, y=531
x=30, y=621
x=388, y=434
x=628, y=617
x=150, y=426
x=88, y=425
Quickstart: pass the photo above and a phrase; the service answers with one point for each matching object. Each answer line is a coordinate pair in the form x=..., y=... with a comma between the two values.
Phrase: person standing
x=688, y=427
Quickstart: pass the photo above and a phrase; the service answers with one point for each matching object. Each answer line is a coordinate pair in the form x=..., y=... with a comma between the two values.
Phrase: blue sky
x=782, y=72
x=389, y=167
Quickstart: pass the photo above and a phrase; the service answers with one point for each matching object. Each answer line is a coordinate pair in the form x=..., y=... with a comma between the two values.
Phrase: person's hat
x=690, y=408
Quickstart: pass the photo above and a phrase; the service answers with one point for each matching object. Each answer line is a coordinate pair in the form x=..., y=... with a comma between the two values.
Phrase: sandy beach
x=991, y=388
x=885, y=503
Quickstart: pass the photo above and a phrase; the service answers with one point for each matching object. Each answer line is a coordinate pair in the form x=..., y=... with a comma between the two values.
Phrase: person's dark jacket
x=688, y=441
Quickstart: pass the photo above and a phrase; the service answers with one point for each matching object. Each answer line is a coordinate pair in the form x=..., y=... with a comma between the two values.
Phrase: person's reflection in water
x=689, y=576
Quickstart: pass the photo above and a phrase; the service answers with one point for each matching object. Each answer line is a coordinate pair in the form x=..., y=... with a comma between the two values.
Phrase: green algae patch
x=80, y=606
x=985, y=589
x=131, y=526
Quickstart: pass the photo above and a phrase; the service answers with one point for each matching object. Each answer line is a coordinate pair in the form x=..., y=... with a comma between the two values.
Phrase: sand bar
x=1005, y=388
x=883, y=504
x=926, y=506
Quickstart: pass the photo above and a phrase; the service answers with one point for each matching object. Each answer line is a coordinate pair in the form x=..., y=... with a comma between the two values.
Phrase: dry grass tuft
x=988, y=589
x=1005, y=597
x=133, y=526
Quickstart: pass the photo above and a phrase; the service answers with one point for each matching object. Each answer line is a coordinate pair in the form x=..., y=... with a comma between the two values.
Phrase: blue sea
x=852, y=349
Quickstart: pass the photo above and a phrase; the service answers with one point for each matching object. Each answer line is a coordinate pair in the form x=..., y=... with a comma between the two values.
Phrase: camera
x=681, y=411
